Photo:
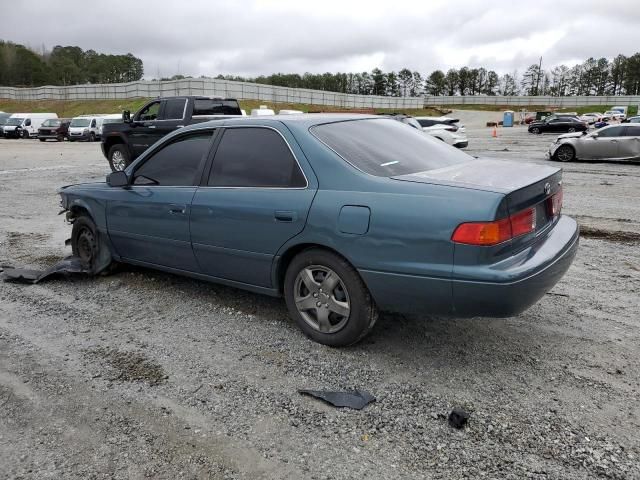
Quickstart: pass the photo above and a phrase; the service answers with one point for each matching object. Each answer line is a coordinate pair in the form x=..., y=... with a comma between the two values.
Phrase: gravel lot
x=147, y=375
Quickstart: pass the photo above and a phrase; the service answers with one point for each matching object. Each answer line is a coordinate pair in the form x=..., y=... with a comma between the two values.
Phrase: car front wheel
x=565, y=153
x=535, y=130
x=328, y=299
x=86, y=245
x=118, y=157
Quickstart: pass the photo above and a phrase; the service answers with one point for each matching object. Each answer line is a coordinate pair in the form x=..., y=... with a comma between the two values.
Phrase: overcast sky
x=252, y=37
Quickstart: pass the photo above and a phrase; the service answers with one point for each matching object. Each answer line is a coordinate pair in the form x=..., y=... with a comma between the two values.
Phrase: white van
x=25, y=125
x=85, y=127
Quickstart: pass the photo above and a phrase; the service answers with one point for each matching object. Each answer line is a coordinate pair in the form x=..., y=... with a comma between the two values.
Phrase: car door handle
x=285, y=215
x=177, y=209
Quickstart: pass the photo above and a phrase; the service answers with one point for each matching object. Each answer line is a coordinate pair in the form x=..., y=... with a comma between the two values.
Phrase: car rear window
x=386, y=148
x=206, y=106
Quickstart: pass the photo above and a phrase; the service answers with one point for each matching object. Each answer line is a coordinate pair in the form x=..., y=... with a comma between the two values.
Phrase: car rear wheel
x=328, y=299
x=535, y=130
x=565, y=153
x=571, y=130
x=92, y=137
x=42, y=139
x=86, y=245
x=118, y=157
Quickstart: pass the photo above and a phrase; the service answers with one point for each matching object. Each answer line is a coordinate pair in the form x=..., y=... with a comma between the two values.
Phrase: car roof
x=304, y=119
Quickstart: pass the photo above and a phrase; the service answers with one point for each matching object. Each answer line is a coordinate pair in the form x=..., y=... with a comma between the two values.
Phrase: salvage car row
x=47, y=126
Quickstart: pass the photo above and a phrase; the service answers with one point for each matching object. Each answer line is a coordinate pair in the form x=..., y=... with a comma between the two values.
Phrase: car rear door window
x=255, y=157
x=174, y=109
x=177, y=163
x=386, y=148
x=632, y=131
x=611, y=132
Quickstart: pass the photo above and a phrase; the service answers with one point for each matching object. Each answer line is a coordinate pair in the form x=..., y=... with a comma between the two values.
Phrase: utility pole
x=539, y=75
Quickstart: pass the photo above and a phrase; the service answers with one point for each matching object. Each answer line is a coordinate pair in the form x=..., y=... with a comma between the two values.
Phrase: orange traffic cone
x=494, y=133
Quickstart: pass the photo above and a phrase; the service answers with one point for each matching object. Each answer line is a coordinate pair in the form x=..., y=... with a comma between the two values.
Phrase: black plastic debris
x=458, y=418
x=67, y=266
x=351, y=399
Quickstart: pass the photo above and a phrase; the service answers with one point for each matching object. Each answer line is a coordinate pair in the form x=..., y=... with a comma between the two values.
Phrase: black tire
x=86, y=244
x=42, y=139
x=59, y=138
x=71, y=139
x=565, y=153
x=362, y=311
x=122, y=158
x=571, y=130
x=25, y=134
x=536, y=130
x=92, y=137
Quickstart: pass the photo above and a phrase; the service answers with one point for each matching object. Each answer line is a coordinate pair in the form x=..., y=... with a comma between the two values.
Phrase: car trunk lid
x=524, y=185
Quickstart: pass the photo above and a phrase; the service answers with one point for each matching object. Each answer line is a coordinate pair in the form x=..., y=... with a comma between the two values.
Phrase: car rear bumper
x=509, y=288
x=502, y=290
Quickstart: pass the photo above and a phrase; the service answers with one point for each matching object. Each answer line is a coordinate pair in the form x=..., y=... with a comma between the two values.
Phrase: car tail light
x=554, y=203
x=498, y=231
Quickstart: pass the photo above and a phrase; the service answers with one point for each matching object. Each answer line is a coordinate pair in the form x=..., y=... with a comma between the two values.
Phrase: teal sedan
x=342, y=215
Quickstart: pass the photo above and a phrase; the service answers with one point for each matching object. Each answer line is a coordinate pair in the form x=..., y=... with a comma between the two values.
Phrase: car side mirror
x=118, y=179
x=126, y=116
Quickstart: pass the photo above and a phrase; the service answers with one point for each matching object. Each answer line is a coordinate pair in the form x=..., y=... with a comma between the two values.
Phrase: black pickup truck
x=124, y=141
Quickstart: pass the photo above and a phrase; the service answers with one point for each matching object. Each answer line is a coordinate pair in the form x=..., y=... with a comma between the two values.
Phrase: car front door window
x=150, y=112
x=177, y=163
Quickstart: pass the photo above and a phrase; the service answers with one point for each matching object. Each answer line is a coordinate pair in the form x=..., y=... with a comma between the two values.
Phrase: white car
x=591, y=118
x=615, y=115
x=445, y=129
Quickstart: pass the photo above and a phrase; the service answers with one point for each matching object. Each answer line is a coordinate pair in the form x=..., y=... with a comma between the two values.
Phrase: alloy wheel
x=564, y=153
x=322, y=299
x=118, y=160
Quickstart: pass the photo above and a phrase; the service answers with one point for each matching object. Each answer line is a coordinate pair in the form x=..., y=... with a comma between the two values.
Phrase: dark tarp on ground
x=353, y=399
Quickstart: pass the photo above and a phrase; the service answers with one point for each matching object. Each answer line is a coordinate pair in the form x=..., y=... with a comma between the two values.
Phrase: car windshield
x=80, y=122
x=15, y=121
x=53, y=122
x=386, y=147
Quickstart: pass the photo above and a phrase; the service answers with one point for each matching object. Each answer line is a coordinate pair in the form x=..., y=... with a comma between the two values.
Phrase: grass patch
x=73, y=108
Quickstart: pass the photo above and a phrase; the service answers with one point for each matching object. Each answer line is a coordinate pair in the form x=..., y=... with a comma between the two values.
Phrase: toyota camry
x=342, y=215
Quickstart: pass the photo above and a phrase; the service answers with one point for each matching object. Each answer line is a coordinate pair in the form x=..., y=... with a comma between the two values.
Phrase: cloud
x=253, y=37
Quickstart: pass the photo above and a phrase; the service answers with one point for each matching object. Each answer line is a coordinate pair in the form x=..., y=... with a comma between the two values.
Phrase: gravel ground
x=148, y=375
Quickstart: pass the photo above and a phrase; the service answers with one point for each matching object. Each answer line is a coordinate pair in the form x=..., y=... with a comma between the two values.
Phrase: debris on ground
x=355, y=399
x=610, y=235
x=68, y=266
x=458, y=418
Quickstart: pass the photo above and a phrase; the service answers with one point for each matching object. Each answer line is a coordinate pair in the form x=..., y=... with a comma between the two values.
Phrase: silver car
x=615, y=142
